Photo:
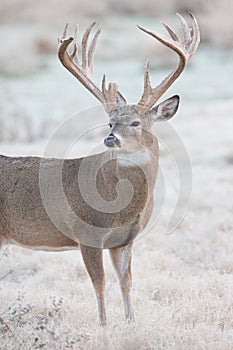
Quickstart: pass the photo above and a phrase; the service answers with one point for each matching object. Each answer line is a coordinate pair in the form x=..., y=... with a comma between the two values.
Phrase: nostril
x=111, y=136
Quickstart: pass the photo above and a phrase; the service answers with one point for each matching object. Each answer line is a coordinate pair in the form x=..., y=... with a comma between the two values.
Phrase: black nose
x=111, y=141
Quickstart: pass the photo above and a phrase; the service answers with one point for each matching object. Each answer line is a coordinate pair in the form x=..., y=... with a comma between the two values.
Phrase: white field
x=182, y=282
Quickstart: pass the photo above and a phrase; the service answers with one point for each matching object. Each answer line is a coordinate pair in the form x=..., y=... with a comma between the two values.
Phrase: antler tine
x=104, y=90
x=186, y=30
x=147, y=86
x=92, y=49
x=147, y=75
x=84, y=45
x=64, y=34
x=74, y=54
x=110, y=94
x=184, y=47
x=196, y=36
x=173, y=34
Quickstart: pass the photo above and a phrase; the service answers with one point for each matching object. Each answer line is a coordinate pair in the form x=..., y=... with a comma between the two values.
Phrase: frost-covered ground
x=182, y=282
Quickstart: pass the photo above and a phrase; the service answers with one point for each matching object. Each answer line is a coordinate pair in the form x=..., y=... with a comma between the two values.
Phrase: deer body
x=51, y=204
x=25, y=221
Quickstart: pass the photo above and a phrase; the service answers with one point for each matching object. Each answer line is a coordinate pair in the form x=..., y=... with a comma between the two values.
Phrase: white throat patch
x=140, y=158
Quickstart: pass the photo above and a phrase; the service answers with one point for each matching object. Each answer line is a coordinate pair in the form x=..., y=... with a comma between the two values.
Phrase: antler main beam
x=185, y=47
x=83, y=71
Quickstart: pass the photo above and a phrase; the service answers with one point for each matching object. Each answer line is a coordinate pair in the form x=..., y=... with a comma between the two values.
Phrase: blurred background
x=35, y=90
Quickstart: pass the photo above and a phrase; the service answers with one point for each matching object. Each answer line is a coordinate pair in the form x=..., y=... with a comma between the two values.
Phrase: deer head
x=127, y=122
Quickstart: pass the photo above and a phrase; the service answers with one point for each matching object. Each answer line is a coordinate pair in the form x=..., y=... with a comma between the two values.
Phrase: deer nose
x=112, y=141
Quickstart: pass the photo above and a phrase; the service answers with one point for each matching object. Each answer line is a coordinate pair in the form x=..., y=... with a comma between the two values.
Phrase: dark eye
x=136, y=123
x=110, y=125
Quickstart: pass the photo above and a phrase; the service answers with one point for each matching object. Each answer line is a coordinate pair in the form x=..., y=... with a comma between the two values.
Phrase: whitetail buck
x=131, y=154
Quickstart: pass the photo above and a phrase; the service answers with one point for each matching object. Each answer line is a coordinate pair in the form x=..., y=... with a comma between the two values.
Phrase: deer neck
x=141, y=158
x=145, y=155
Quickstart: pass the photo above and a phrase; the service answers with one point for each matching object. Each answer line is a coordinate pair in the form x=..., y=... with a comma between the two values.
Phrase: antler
x=185, y=47
x=110, y=97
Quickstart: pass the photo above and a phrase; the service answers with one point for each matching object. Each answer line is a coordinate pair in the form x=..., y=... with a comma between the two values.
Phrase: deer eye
x=136, y=123
x=110, y=125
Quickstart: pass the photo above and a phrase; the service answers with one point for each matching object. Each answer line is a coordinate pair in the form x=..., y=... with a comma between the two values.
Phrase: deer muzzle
x=112, y=141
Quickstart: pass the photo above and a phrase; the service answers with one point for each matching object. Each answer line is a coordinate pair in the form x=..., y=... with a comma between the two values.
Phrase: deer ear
x=165, y=110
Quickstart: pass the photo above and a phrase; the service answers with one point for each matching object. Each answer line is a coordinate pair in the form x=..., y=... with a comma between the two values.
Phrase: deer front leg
x=93, y=259
x=121, y=258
